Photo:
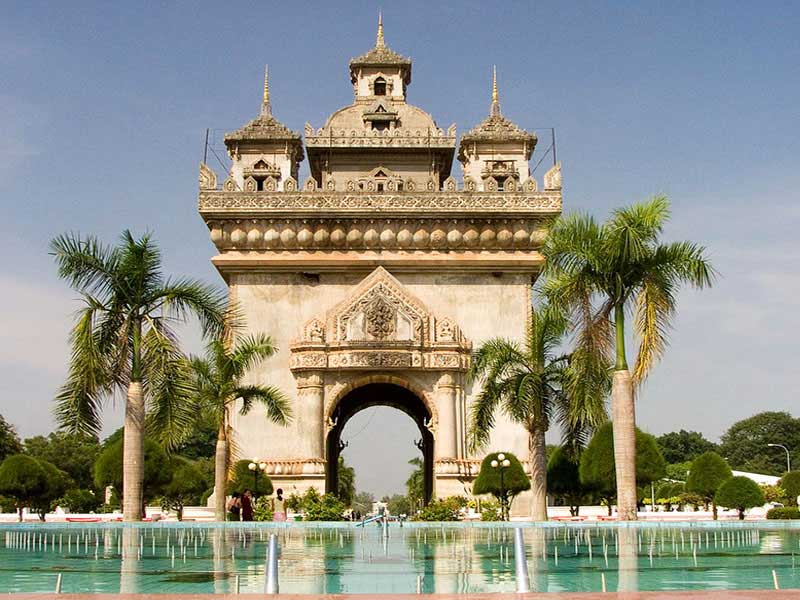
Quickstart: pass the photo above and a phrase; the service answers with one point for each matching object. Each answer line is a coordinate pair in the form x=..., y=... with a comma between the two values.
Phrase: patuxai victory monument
x=378, y=275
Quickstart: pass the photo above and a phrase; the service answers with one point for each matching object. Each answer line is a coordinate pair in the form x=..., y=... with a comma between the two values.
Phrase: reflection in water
x=537, y=559
x=628, y=560
x=440, y=558
x=129, y=564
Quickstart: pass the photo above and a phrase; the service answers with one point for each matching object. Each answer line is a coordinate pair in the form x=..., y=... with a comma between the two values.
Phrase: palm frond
x=173, y=407
x=183, y=297
x=250, y=350
x=684, y=262
x=271, y=398
x=79, y=401
x=655, y=306
x=482, y=417
x=88, y=265
x=633, y=230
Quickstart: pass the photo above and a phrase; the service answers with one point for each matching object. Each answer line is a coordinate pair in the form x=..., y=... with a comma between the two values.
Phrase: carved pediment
x=381, y=325
x=380, y=310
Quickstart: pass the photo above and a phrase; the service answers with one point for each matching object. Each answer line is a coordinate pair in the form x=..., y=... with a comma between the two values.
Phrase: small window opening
x=400, y=186
x=380, y=125
x=379, y=86
x=259, y=185
x=380, y=187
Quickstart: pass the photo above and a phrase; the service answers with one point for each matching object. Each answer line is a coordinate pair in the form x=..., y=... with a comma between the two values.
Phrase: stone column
x=447, y=406
x=309, y=412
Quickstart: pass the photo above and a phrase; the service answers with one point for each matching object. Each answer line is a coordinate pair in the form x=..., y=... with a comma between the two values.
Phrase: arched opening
x=379, y=87
x=379, y=394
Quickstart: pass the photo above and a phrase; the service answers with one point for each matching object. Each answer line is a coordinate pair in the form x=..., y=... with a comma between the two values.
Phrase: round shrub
x=108, y=468
x=784, y=512
x=440, y=510
x=78, y=500
x=740, y=493
x=597, y=467
x=790, y=484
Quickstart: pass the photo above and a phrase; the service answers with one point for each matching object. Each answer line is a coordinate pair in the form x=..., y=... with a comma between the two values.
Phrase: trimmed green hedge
x=784, y=512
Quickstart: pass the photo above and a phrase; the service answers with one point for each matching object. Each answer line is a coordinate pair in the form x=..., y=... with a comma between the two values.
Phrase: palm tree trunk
x=622, y=408
x=537, y=455
x=133, y=454
x=220, y=474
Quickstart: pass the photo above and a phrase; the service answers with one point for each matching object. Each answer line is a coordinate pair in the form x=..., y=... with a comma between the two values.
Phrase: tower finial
x=379, y=42
x=266, y=108
x=495, y=108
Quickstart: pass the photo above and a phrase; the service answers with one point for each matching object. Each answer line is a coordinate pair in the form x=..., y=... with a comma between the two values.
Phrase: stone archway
x=382, y=334
x=379, y=394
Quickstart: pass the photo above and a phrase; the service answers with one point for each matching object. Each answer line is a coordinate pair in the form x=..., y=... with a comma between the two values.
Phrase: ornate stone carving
x=310, y=185
x=229, y=185
x=208, y=178
x=552, y=179
x=418, y=203
x=381, y=319
x=445, y=329
x=314, y=331
x=250, y=184
x=270, y=184
x=530, y=185
x=290, y=185
x=381, y=326
x=450, y=184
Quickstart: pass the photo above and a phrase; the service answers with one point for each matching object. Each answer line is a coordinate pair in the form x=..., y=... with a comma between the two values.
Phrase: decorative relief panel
x=421, y=202
x=381, y=326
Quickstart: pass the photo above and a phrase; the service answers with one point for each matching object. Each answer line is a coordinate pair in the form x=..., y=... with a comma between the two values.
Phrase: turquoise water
x=195, y=558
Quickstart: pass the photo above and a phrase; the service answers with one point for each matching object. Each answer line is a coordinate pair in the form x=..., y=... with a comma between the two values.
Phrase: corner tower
x=496, y=152
x=266, y=155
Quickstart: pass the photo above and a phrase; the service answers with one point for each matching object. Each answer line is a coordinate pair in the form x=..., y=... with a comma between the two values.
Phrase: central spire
x=266, y=108
x=379, y=43
x=494, y=110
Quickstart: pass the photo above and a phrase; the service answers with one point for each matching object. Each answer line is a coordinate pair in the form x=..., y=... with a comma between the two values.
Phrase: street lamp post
x=502, y=463
x=255, y=467
x=788, y=457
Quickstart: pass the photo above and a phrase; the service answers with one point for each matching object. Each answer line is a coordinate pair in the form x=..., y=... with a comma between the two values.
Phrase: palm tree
x=123, y=342
x=217, y=387
x=599, y=270
x=531, y=385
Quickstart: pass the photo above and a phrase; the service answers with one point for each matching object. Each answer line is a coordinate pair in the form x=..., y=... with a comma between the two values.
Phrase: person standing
x=247, y=505
x=234, y=507
x=279, y=507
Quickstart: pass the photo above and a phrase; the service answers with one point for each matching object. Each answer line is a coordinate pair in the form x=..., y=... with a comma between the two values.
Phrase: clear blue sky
x=103, y=109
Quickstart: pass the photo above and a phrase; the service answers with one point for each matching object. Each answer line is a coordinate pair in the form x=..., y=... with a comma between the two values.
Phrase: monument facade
x=379, y=274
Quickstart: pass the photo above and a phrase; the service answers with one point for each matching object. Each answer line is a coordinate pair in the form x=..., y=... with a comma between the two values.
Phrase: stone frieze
x=220, y=201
